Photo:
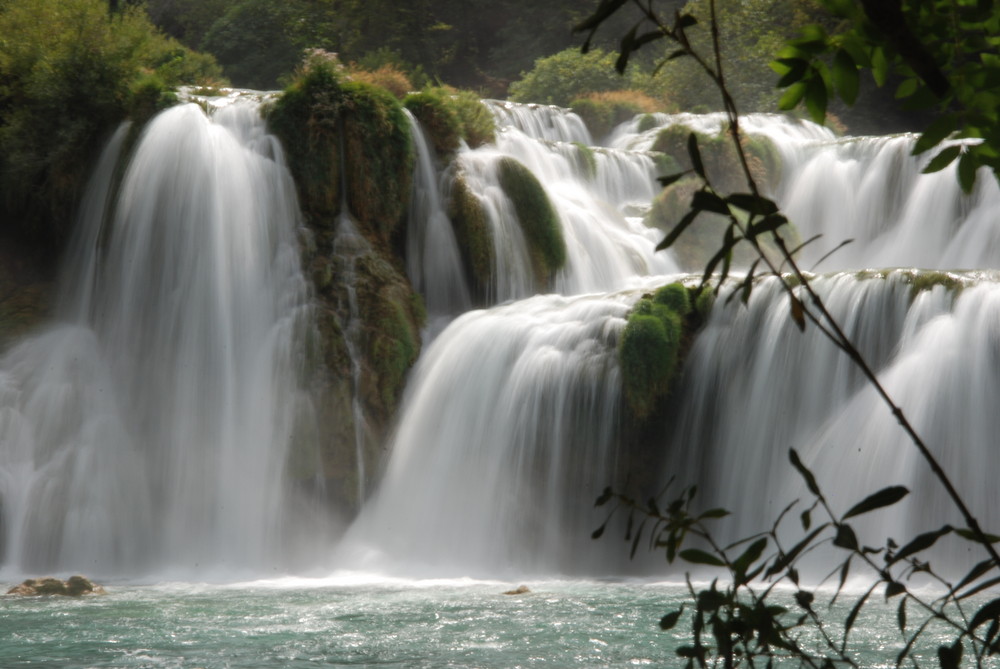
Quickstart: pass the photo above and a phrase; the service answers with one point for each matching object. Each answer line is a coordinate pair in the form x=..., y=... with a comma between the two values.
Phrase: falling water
x=150, y=427
x=503, y=408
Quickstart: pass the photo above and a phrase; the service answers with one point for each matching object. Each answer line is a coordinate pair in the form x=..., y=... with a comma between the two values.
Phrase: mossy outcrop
x=537, y=217
x=349, y=142
x=329, y=125
x=473, y=234
x=652, y=345
x=74, y=586
x=450, y=117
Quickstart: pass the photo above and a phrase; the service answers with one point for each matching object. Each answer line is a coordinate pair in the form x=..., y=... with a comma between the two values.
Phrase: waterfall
x=512, y=420
x=149, y=428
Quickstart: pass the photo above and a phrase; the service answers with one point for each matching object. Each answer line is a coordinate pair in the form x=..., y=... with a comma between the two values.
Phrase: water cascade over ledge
x=148, y=429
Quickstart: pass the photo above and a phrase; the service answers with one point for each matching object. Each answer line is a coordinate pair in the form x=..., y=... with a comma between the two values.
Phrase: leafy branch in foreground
x=750, y=216
x=747, y=616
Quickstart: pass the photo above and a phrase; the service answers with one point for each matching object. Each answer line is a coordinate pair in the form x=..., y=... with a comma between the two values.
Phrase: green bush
x=650, y=347
x=675, y=297
x=69, y=73
x=320, y=114
x=437, y=117
x=478, y=125
x=538, y=219
x=567, y=75
x=647, y=354
x=379, y=159
x=605, y=110
x=307, y=120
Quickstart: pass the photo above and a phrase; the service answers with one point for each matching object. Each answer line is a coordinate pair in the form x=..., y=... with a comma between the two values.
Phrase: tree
x=741, y=619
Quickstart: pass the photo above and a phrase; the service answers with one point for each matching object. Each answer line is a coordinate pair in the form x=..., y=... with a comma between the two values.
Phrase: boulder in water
x=519, y=590
x=74, y=586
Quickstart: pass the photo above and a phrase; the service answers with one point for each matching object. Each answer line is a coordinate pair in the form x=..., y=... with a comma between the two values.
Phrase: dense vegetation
x=69, y=73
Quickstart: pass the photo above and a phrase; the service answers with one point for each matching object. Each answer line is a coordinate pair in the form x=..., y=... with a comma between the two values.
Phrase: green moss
x=648, y=355
x=646, y=123
x=675, y=297
x=704, y=300
x=306, y=118
x=927, y=280
x=437, y=117
x=478, y=124
x=537, y=217
x=394, y=350
x=586, y=159
x=379, y=159
x=473, y=234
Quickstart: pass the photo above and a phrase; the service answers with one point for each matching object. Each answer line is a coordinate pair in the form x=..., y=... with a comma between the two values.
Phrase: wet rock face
x=74, y=586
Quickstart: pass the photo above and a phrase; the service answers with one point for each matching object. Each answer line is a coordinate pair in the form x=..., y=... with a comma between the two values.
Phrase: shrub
x=605, y=110
x=569, y=74
x=69, y=74
x=537, y=217
x=650, y=347
x=387, y=76
x=675, y=297
x=478, y=125
x=306, y=118
x=438, y=118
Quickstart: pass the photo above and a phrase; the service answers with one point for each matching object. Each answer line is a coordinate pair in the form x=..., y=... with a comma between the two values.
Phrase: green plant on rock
x=537, y=217
x=437, y=117
x=586, y=159
x=649, y=349
x=378, y=159
x=307, y=120
x=473, y=234
x=478, y=124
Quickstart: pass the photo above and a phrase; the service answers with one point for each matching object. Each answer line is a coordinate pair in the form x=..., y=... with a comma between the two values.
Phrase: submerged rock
x=74, y=586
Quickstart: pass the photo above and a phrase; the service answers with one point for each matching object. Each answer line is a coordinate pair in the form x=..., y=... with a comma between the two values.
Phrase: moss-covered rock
x=307, y=120
x=473, y=234
x=602, y=111
x=655, y=339
x=437, y=117
x=537, y=217
x=586, y=160
x=450, y=116
x=378, y=161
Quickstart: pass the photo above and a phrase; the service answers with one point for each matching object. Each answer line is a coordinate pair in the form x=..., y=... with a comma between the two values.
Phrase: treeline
x=478, y=44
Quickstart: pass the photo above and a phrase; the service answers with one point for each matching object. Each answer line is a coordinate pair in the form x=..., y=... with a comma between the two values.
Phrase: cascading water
x=486, y=473
x=149, y=428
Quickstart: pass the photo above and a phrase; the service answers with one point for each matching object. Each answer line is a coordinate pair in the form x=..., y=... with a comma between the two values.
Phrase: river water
x=362, y=620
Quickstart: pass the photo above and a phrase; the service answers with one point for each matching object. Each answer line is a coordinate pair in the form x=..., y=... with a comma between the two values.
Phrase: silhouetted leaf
x=816, y=99
x=685, y=21
x=893, y=588
x=806, y=518
x=974, y=573
x=944, y=158
x=934, y=134
x=950, y=657
x=967, y=171
x=678, y=229
x=845, y=537
x=919, y=543
x=806, y=474
x=798, y=313
x=596, y=534
x=791, y=97
x=845, y=77
x=697, y=556
x=969, y=535
x=804, y=599
x=749, y=556
x=901, y=615
x=714, y=513
x=989, y=611
x=884, y=497
x=853, y=615
x=695, y=154
x=670, y=620
x=604, y=497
